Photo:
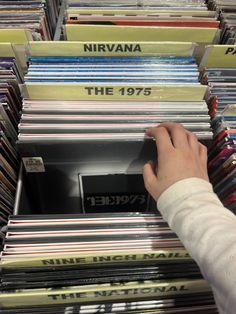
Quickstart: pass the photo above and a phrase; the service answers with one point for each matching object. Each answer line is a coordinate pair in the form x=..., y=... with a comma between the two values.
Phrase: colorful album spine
x=10, y=106
x=218, y=68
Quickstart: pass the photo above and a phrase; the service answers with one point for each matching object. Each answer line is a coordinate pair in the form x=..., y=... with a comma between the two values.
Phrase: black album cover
x=113, y=193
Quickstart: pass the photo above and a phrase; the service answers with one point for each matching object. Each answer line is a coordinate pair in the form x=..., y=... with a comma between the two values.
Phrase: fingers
x=179, y=137
x=171, y=135
x=150, y=178
x=202, y=153
x=149, y=174
x=149, y=171
x=177, y=133
x=199, y=150
x=163, y=140
x=193, y=143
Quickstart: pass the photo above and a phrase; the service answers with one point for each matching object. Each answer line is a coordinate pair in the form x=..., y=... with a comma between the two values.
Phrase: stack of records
x=227, y=10
x=10, y=105
x=222, y=157
x=220, y=74
x=40, y=17
x=140, y=20
x=88, y=98
x=67, y=120
x=129, y=263
x=86, y=113
x=221, y=80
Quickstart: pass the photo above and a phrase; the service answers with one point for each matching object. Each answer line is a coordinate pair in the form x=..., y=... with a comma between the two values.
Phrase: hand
x=179, y=156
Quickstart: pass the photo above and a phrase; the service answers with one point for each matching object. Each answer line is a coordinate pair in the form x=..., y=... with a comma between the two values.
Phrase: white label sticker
x=33, y=164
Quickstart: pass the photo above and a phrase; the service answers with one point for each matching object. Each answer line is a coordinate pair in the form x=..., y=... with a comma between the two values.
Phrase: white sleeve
x=208, y=231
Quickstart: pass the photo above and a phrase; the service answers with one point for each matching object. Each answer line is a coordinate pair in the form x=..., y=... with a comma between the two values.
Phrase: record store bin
x=70, y=179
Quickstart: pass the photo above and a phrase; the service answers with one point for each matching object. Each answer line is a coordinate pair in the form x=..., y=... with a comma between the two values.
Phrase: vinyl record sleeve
x=113, y=192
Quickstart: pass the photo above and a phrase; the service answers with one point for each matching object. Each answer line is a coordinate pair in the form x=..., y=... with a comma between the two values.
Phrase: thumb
x=150, y=178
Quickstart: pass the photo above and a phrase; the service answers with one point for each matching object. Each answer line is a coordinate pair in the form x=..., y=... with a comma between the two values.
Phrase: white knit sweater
x=208, y=231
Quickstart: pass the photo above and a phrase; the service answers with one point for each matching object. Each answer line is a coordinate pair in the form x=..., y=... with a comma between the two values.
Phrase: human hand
x=179, y=156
